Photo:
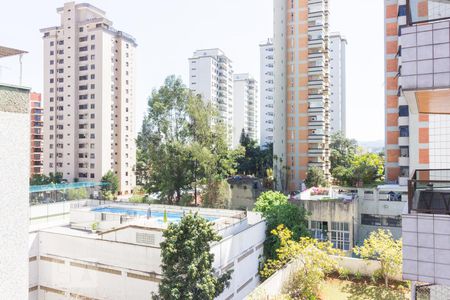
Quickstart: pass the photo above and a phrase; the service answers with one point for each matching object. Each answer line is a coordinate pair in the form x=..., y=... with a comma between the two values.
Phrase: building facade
x=122, y=259
x=245, y=108
x=89, y=95
x=301, y=98
x=211, y=76
x=416, y=65
x=337, y=83
x=36, y=134
x=266, y=89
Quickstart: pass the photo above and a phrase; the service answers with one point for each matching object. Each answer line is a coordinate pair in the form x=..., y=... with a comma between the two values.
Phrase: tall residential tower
x=266, y=92
x=36, y=134
x=337, y=83
x=245, y=108
x=301, y=98
x=89, y=97
x=211, y=76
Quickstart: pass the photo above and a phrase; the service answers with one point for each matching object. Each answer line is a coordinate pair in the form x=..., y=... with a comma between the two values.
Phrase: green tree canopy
x=380, y=245
x=182, y=143
x=111, y=182
x=256, y=160
x=315, y=177
x=276, y=209
x=187, y=261
x=351, y=167
x=268, y=200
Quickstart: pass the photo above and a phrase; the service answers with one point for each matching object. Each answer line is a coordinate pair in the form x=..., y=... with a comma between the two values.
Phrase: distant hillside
x=372, y=146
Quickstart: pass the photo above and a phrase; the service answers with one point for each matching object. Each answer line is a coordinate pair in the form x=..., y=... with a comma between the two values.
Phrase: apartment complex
x=36, y=134
x=337, y=83
x=245, y=108
x=15, y=166
x=211, y=76
x=89, y=97
x=266, y=89
x=301, y=97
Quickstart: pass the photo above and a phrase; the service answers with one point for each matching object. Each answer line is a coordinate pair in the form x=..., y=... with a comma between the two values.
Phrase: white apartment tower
x=301, y=96
x=266, y=92
x=245, y=107
x=211, y=76
x=337, y=83
x=89, y=97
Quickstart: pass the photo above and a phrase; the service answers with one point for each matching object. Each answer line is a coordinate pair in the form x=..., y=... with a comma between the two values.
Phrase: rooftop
x=5, y=51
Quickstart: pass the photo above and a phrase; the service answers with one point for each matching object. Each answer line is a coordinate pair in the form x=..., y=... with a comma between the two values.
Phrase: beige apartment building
x=36, y=133
x=89, y=91
x=301, y=96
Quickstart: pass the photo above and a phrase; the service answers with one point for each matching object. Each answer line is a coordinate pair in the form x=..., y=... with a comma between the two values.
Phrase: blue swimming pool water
x=159, y=215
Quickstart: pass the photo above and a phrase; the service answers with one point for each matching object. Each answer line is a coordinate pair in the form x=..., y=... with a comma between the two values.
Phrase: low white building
x=122, y=259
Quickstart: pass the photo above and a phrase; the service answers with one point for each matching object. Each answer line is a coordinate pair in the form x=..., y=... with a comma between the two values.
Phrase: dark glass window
x=404, y=131
x=402, y=10
x=403, y=111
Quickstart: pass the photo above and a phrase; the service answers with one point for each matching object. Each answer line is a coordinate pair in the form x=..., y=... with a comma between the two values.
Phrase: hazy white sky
x=168, y=32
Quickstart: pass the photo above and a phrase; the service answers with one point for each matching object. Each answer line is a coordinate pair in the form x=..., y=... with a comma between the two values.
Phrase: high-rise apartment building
x=417, y=80
x=245, y=108
x=337, y=83
x=36, y=134
x=301, y=98
x=266, y=92
x=211, y=76
x=89, y=97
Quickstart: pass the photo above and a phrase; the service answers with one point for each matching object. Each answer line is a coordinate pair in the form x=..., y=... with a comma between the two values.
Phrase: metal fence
x=432, y=292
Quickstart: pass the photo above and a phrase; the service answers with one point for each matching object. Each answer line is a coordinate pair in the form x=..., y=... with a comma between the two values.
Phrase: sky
x=169, y=31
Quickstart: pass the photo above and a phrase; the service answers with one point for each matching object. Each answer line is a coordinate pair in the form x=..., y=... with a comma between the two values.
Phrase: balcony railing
x=429, y=191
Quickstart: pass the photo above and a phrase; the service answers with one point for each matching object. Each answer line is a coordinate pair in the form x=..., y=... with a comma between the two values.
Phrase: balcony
x=426, y=228
x=425, y=67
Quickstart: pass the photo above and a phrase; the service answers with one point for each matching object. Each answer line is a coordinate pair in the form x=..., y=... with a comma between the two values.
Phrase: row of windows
x=378, y=220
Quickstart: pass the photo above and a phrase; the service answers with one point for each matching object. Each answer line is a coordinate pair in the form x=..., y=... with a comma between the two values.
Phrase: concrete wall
x=15, y=170
x=276, y=284
x=243, y=195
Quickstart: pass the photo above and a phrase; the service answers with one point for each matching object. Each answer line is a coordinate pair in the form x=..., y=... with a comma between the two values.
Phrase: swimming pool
x=172, y=217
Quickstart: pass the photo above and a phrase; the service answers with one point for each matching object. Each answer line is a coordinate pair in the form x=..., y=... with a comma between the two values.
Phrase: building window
x=404, y=151
x=319, y=230
x=404, y=131
x=340, y=235
x=92, y=37
x=52, y=43
x=402, y=10
x=403, y=111
x=377, y=220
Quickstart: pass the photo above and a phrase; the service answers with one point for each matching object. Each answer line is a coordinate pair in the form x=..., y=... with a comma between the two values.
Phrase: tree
x=110, y=185
x=268, y=200
x=186, y=134
x=342, y=150
x=293, y=217
x=381, y=246
x=76, y=194
x=351, y=167
x=276, y=209
x=367, y=168
x=315, y=177
x=217, y=194
x=313, y=258
x=39, y=179
x=255, y=160
x=187, y=261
